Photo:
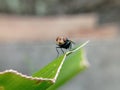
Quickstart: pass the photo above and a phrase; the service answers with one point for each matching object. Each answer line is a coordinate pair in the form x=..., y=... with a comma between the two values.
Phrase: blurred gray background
x=28, y=29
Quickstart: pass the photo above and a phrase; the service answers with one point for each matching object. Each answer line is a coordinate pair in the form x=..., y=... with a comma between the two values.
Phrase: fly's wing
x=72, y=42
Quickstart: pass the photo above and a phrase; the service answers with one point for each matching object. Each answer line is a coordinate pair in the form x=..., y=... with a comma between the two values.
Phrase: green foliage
x=50, y=77
x=12, y=80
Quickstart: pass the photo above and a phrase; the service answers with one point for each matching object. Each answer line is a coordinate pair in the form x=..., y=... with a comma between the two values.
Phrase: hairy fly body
x=63, y=43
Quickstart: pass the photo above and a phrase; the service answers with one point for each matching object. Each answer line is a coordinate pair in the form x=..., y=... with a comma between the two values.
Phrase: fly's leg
x=57, y=51
x=62, y=50
x=70, y=47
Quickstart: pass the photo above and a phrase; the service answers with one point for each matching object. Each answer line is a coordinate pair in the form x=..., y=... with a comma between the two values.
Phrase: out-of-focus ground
x=28, y=43
x=18, y=28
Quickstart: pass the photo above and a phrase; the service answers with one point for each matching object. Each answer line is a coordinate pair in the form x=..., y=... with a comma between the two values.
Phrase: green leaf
x=75, y=63
x=12, y=80
x=52, y=70
x=53, y=75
